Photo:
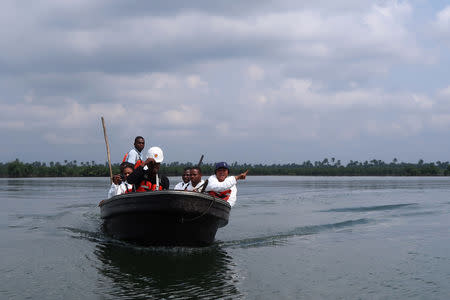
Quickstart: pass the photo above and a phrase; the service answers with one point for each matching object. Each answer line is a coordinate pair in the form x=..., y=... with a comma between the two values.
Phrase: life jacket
x=137, y=164
x=146, y=186
x=225, y=195
x=130, y=190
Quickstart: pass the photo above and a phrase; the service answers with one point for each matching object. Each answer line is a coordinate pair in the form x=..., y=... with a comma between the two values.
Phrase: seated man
x=120, y=184
x=186, y=177
x=196, y=180
x=145, y=177
x=134, y=156
x=223, y=186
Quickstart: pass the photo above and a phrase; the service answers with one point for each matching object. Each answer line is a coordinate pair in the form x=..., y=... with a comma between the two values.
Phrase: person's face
x=221, y=174
x=155, y=168
x=186, y=176
x=126, y=172
x=139, y=144
x=196, y=177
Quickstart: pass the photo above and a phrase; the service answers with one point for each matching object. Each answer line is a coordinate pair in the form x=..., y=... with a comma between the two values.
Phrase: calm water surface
x=288, y=238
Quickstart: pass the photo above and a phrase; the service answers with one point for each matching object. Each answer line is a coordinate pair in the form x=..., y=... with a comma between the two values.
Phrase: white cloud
x=182, y=117
x=422, y=101
x=442, y=21
x=195, y=81
x=255, y=72
x=62, y=139
x=262, y=99
x=441, y=121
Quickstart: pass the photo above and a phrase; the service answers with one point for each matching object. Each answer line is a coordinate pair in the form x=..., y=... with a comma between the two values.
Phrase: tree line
x=326, y=167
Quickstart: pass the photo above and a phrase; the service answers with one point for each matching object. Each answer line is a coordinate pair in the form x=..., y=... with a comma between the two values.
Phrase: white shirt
x=133, y=156
x=119, y=189
x=190, y=187
x=228, y=184
x=181, y=186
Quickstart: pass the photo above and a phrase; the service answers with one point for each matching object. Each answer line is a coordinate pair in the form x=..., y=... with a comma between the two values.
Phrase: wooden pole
x=200, y=161
x=107, y=150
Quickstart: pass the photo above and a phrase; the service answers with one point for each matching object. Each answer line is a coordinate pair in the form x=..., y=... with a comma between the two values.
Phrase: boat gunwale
x=136, y=195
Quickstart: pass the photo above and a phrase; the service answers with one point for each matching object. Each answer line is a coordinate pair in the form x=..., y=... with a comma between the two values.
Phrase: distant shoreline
x=18, y=169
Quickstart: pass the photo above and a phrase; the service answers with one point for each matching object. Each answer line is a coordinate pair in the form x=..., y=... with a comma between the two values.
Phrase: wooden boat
x=164, y=218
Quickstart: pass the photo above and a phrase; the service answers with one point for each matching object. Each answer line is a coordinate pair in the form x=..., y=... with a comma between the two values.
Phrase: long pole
x=107, y=150
x=200, y=161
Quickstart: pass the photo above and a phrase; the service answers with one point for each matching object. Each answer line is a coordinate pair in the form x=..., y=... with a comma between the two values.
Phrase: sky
x=267, y=82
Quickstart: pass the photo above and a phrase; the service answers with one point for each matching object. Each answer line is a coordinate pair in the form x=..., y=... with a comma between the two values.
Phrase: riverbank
x=18, y=169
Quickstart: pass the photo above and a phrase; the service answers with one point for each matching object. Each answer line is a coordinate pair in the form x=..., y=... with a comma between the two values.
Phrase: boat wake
x=282, y=238
x=371, y=208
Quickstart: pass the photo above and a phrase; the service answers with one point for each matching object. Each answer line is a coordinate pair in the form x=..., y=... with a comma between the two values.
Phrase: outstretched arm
x=216, y=186
x=241, y=176
x=137, y=176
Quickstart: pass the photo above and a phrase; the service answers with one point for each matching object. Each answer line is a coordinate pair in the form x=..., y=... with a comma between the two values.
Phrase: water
x=288, y=238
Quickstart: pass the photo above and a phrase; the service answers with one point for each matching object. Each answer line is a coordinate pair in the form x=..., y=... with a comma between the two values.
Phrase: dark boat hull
x=164, y=218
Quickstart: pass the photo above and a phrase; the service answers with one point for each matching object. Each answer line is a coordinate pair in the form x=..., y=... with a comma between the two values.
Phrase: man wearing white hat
x=146, y=177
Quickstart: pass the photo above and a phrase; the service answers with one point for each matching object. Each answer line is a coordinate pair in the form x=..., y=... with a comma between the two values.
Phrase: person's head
x=126, y=169
x=222, y=171
x=186, y=175
x=126, y=172
x=139, y=143
x=196, y=175
x=157, y=154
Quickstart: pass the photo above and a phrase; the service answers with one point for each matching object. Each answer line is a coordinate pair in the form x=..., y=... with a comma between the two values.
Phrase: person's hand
x=242, y=175
x=117, y=179
x=150, y=161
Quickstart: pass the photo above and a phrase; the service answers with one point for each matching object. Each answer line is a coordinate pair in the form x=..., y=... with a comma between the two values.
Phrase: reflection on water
x=167, y=272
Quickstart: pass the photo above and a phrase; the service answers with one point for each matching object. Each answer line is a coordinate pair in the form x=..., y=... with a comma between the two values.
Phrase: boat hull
x=164, y=218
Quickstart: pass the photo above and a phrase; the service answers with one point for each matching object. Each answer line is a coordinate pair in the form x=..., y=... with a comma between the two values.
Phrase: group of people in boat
x=137, y=175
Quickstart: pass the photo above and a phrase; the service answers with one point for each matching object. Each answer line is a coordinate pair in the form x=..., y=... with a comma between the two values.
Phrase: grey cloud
x=124, y=47
x=322, y=91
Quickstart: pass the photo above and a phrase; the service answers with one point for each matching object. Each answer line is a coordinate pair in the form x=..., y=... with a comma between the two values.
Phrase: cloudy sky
x=249, y=81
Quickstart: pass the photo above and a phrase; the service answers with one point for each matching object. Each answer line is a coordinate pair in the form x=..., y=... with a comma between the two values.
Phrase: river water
x=288, y=238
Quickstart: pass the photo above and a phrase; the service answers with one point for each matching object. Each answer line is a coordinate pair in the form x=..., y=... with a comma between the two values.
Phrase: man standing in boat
x=134, y=156
x=223, y=186
x=145, y=177
x=186, y=177
x=196, y=180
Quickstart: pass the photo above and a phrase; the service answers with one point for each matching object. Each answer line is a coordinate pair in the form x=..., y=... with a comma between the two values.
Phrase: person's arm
x=241, y=176
x=216, y=186
x=113, y=190
x=233, y=196
x=123, y=188
x=165, y=182
x=132, y=156
x=137, y=176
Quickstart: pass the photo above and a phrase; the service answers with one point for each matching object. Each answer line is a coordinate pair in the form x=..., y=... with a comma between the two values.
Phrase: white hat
x=156, y=153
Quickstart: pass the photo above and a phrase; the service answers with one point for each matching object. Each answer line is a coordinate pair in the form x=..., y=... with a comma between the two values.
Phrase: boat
x=164, y=218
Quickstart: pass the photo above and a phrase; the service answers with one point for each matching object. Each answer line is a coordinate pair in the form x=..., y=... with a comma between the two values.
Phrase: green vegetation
x=325, y=167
